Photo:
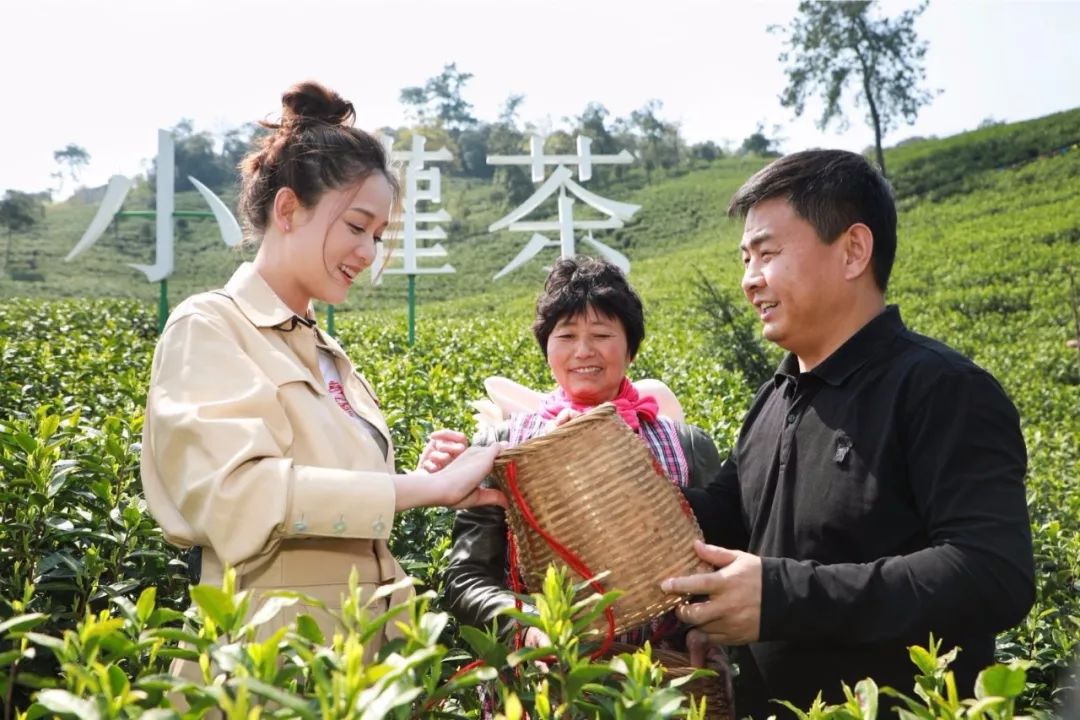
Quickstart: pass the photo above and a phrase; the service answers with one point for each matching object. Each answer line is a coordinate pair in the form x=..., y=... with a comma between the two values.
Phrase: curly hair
x=577, y=284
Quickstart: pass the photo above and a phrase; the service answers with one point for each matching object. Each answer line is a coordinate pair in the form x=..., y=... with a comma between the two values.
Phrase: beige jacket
x=247, y=454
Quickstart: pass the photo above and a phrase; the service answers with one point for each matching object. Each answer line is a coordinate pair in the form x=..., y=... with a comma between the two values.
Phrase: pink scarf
x=629, y=403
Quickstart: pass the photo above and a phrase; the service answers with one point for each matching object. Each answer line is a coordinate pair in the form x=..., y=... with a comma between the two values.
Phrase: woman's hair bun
x=309, y=102
x=315, y=147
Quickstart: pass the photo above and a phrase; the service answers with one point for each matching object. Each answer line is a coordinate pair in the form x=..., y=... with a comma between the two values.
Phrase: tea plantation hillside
x=989, y=262
x=680, y=208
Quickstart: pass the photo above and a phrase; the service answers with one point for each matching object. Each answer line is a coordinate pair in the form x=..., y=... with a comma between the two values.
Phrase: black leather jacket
x=476, y=575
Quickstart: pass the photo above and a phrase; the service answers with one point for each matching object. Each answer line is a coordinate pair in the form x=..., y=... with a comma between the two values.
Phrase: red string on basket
x=687, y=510
x=561, y=550
x=466, y=668
x=515, y=584
x=461, y=671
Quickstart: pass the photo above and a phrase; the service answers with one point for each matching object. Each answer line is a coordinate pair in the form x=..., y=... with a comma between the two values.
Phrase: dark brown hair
x=314, y=148
x=832, y=190
x=576, y=284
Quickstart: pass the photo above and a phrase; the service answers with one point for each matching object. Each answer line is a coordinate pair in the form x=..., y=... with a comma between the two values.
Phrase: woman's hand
x=462, y=477
x=441, y=449
x=534, y=638
x=565, y=415
x=455, y=486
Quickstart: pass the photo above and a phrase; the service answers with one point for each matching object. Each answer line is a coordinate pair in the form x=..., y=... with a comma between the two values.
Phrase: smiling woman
x=589, y=325
x=262, y=444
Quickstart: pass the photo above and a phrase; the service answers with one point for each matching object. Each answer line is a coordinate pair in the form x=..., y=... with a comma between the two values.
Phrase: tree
x=436, y=137
x=237, y=143
x=508, y=115
x=439, y=100
x=758, y=143
x=472, y=152
x=71, y=159
x=505, y=138
x=659, y=143
x=707, y=151
x=593, y=124
x=19, y=212
x=829, y=43
x=195, y=155
x=560, y=142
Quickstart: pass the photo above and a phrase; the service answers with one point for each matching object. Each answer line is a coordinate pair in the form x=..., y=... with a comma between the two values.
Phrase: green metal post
x=163, y=306
x=412, y=309
x=330, y=321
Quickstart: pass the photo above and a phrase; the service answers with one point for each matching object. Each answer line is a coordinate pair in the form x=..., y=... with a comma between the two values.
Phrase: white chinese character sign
x=163, y=215
x=616, y=213
x=416, y=229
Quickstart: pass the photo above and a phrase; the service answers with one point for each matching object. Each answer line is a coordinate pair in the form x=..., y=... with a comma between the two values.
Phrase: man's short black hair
x=576, y=284
x=832, y=190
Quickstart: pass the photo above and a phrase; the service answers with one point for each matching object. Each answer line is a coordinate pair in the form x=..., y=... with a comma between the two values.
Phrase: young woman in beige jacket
x=262, y=444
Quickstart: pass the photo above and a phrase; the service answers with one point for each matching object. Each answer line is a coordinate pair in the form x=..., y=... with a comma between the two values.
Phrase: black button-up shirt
x=884, y=491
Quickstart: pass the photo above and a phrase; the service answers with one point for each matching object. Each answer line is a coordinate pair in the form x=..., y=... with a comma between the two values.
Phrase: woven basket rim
x=600, y=412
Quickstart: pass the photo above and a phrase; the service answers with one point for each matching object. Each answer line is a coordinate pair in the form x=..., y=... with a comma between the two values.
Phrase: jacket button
x=790, y=418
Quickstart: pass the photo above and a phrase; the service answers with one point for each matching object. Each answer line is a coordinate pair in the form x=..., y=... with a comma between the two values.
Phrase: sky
x=105, y=75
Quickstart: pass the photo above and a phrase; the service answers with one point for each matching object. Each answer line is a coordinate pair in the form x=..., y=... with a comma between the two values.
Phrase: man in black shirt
x=876, y=491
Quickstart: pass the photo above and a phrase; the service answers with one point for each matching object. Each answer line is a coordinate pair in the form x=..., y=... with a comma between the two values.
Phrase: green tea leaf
x=62, y=702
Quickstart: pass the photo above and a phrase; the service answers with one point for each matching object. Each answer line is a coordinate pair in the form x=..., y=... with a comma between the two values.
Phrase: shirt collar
x=787, y=370
x=852, y=355
x=257, y=300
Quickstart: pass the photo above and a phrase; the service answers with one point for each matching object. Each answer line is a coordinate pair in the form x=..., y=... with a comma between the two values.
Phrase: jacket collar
x=255, y=298
x=873, y=337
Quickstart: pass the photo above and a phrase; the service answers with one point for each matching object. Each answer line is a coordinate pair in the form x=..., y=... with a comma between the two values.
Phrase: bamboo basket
x=593, y=485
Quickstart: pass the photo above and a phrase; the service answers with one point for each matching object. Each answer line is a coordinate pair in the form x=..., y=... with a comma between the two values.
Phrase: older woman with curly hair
x=589, y=325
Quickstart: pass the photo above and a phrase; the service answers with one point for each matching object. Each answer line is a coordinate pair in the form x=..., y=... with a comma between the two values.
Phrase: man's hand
x=732, y=614
x=698, y=645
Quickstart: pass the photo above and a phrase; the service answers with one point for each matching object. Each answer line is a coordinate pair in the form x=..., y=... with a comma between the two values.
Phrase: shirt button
x=299, y=526
x=790, y=418
x=339, y=527
x=378, y=526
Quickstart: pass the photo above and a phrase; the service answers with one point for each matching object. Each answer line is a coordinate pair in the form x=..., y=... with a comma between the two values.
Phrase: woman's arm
x=476, y=574
x=216, y=463
x=455, y=486
x=701, y=454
